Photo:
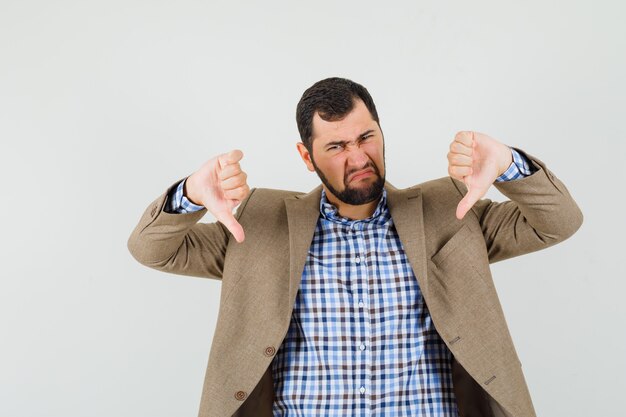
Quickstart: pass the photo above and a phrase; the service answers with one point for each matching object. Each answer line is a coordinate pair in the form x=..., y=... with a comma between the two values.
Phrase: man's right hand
x=220, y=185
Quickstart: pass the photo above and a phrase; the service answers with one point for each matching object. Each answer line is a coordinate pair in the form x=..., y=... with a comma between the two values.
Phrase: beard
x=353, y=195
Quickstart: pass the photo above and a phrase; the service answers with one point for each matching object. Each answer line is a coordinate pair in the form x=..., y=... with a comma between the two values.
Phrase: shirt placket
x=361, y=302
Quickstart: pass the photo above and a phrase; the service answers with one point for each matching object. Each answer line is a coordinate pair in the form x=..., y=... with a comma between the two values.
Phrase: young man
x=359, y=298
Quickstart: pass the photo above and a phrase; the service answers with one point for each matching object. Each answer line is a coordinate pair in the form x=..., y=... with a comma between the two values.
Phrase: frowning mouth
x=361, y=174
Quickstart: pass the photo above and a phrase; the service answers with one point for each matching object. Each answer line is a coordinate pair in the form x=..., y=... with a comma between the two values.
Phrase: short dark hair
x=333, y=98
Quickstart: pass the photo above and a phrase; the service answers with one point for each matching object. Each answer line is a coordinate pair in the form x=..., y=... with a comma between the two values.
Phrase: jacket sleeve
x=540, y=213
x=177, y=243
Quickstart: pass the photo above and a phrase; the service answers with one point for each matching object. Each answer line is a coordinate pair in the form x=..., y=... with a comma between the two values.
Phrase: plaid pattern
x=361, y=341
x=179, y=203
x=518, y=168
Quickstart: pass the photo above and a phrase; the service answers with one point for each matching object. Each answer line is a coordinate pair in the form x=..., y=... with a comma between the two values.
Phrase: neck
x=352, y=212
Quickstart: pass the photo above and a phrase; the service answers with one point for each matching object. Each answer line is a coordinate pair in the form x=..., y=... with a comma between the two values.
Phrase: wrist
x=506, y=159
x=189, y=191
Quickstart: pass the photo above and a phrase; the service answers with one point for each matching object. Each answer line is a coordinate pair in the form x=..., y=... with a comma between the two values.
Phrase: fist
x=220, y=185
x=477, y=160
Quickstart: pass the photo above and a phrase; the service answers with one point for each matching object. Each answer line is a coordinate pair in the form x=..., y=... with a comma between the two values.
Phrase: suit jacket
x=450, y=258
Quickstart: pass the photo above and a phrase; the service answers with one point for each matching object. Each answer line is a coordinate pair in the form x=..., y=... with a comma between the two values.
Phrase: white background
x=103, y=104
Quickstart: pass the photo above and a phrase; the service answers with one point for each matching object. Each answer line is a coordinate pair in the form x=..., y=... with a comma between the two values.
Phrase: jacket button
x=270, y=350
x=240, y=395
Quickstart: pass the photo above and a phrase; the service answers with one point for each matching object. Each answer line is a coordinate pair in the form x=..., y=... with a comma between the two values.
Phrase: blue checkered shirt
x=361, y=341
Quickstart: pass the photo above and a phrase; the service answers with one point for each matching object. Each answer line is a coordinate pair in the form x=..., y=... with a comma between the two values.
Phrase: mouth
x=361, y=174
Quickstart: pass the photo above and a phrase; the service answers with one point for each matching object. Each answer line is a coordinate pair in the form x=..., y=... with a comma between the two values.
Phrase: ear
x=305, y=155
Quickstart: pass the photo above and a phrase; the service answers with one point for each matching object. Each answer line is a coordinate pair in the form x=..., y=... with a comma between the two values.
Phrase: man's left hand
x=477, y=160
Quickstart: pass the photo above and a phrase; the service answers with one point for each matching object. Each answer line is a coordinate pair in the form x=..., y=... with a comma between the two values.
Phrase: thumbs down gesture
x=220, y=185
x=477, y=160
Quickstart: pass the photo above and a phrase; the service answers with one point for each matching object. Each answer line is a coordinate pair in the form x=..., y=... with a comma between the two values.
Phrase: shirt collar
x=330, y=212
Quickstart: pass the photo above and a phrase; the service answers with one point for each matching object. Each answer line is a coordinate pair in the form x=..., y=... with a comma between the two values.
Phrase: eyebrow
x=343, y=142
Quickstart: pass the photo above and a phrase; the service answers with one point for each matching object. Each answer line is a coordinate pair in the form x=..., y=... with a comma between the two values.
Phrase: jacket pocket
x=456, y=242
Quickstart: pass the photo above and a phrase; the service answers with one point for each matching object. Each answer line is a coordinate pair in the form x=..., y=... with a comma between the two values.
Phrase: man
x=358, y=298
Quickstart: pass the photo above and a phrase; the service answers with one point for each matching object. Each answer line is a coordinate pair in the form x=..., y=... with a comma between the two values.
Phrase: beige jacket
x=450, y=258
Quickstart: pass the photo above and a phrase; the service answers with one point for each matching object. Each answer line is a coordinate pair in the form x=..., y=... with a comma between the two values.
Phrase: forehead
x=349, y=128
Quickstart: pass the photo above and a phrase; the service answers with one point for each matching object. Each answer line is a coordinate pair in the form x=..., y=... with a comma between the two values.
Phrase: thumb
x=233, y=226
x=468, y=201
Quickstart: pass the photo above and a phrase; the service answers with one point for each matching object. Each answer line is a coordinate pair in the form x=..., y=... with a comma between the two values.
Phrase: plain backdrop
x=103, y=104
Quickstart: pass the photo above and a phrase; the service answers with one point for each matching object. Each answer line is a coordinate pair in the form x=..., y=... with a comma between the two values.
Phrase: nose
x=357, y=158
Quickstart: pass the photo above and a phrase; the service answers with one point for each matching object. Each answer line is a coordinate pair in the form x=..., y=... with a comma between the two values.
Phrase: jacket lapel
x=303, y=212
x=406, y=210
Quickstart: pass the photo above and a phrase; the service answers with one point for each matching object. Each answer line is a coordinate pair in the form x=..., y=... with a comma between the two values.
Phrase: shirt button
x=362, y=347
x=361, y=304
x=357, y=259
x=362, y=390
